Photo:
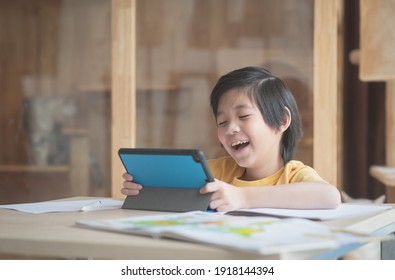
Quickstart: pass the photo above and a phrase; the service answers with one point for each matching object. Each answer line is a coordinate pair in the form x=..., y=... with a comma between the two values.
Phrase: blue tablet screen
x=172, y=171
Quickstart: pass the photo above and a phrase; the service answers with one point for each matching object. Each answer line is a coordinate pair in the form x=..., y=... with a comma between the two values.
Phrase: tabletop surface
x=56, y=235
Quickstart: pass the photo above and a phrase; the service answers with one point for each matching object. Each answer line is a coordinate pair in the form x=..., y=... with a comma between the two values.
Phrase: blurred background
x=55, y=86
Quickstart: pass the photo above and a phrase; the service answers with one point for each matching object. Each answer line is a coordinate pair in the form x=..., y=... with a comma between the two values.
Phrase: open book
x=262, y=235
x=343, y=211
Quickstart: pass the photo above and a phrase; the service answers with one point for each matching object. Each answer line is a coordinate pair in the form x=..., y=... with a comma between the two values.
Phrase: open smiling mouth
x=240, y=144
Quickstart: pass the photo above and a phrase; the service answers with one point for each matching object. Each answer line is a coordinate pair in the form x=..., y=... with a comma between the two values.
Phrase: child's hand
x=129, y=187
x=225, y=196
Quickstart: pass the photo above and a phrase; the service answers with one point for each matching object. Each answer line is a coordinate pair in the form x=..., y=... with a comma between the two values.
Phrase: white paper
x=65, y=206
x=343, y=211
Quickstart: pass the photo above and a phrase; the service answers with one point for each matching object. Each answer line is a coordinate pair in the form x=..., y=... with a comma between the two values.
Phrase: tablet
x=171, y=179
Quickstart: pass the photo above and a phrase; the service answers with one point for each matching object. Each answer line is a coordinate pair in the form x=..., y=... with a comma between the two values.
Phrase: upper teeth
x=239, y=143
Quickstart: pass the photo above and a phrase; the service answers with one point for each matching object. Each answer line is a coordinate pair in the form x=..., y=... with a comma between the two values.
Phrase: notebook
x=171, y=179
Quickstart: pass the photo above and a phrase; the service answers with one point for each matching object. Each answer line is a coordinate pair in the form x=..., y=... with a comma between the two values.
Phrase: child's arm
x=303, y=195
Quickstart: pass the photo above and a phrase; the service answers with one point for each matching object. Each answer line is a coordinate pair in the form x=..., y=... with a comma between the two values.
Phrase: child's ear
x=286, y=121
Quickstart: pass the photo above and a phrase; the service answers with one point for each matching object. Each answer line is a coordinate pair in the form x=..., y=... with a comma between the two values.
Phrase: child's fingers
x=209, y=188
x=220, y=204
x=127, y=177
x=131, y=185
x=130, y=191
x=130, y=188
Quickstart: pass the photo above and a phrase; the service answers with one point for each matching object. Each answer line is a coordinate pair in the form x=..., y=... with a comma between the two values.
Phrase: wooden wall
x=184, y=46
x=26, y=46
x=59, y=48
x=54, y=49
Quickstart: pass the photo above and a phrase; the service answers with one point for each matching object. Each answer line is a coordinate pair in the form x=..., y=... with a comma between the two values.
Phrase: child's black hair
x=272, y=97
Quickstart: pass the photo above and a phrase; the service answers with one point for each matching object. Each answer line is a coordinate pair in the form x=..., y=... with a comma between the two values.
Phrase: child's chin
x=242, y=162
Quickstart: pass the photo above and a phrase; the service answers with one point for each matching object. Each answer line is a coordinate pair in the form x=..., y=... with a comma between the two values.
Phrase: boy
x=258, y=125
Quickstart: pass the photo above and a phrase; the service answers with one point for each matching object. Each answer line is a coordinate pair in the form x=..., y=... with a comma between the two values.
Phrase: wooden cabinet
x=377, y=63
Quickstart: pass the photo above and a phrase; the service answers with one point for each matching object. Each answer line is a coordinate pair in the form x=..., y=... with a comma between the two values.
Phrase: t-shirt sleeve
x=306, y=174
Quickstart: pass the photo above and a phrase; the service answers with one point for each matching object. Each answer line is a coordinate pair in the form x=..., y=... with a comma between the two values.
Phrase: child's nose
x=233, y=128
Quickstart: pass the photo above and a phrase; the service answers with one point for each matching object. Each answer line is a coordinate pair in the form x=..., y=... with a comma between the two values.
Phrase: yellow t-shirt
x=227, y=170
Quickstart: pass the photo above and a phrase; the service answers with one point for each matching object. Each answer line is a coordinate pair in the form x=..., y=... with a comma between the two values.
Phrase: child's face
x=244, y=133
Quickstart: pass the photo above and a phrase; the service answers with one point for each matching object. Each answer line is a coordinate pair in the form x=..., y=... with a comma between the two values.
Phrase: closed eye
x=222, y=123
x=243, y=117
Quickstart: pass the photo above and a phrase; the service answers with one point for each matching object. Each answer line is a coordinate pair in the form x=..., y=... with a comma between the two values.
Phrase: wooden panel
x=377, y=41
x=191, y=43
x=386, y=174
x=27, y=44
x=84, y=45
x=390, y=123
x=123, y=85
x=327, y=128
x=79, y=165
x=390, y=135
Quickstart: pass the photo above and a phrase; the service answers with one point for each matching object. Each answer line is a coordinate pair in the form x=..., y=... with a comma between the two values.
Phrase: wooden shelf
x=73, y=131
x=33, y=168
x=140, y=88
x=384, y=174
